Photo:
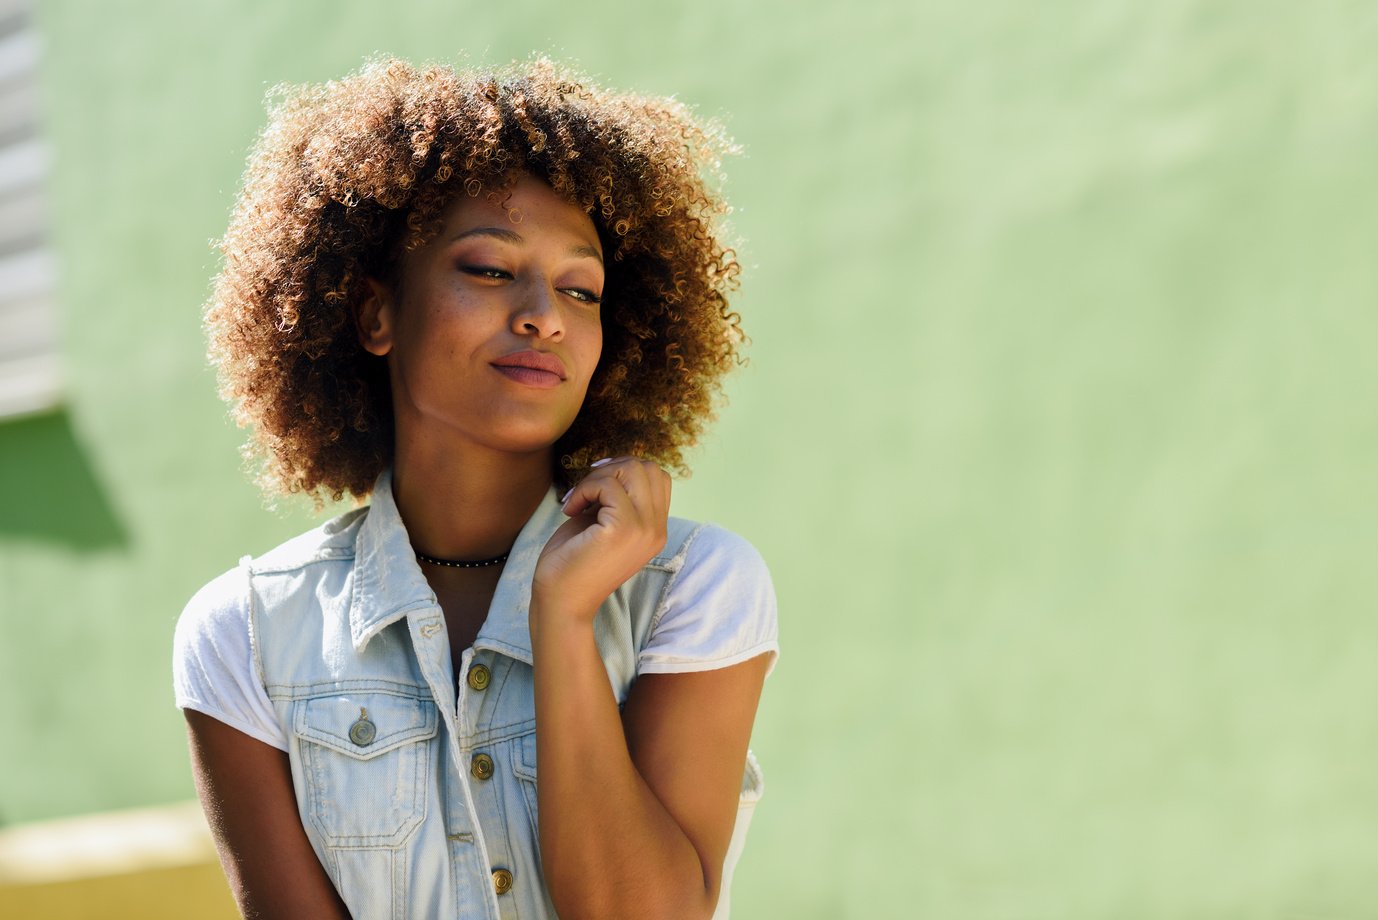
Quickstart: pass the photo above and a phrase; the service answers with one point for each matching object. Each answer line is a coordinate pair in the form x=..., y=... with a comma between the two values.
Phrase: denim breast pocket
x=365, y=760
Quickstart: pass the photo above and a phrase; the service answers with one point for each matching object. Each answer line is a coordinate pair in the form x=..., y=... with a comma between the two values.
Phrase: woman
x=512, y=685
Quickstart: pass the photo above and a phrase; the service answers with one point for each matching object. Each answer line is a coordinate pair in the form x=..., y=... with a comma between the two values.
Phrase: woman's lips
x=529, y=376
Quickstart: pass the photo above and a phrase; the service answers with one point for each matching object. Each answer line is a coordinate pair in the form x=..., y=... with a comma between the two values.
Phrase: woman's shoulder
x=223, y=602
x=719, y=607
x=706, y=545
x=213, y=666
x=329, y=541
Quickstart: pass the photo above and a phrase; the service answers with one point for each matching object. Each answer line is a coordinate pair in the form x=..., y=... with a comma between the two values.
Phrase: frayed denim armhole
x=251, y=599
x=685, y=531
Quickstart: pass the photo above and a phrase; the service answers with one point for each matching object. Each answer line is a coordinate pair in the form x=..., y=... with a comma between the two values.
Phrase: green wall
x=1058, y=435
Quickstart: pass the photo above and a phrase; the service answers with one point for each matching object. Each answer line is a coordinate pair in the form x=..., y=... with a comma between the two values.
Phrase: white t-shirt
x=719, y=610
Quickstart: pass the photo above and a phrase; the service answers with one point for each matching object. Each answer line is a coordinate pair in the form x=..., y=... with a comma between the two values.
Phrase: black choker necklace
x=460, y=563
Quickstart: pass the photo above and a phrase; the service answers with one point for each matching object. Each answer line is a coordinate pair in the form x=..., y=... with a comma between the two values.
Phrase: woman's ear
x=374, y=319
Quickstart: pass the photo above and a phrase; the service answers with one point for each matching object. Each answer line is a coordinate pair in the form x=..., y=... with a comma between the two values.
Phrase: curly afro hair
x=350, y=174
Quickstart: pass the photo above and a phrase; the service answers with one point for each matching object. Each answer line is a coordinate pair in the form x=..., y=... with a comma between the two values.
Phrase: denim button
x=362, y=732
x=481, y=766
x=478, y=677
x=502, y=881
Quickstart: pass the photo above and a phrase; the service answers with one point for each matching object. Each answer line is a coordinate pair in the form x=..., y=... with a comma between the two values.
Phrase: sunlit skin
x=521, y=273
x=645, y=834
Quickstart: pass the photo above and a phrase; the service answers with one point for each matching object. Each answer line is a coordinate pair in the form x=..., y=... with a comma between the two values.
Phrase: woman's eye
x=483, y=271
x=583, y=295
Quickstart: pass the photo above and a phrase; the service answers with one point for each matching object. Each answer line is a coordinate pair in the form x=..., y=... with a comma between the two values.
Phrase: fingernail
x=600, y=462
x=567, y=495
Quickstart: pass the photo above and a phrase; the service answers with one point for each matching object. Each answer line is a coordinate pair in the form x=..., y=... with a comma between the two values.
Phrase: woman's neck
x=469, y=506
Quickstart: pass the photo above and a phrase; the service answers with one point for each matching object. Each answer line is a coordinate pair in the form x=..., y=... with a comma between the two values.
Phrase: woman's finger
x=600, y=488
x=635, y=476
x=615, y=467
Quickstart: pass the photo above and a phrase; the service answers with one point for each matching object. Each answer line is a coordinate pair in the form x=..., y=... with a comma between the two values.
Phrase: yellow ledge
x=146, y=863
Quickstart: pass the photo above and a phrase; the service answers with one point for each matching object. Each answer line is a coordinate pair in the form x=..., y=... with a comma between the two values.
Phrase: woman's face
x=496, y=332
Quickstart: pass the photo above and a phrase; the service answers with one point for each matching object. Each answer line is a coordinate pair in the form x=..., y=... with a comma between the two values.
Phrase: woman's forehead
x=522, y=212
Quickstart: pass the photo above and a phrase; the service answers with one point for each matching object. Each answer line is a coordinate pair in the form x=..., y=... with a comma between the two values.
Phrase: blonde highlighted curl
x=350, y=174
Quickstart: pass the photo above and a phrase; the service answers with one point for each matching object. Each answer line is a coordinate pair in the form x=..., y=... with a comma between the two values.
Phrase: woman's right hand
x=617, y=521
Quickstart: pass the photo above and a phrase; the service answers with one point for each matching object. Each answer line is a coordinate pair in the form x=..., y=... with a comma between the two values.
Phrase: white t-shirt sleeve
x=718, y=610
x=213, y=662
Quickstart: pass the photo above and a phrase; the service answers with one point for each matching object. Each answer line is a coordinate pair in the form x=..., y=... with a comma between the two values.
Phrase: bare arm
x=636, y=810
x=246, y=790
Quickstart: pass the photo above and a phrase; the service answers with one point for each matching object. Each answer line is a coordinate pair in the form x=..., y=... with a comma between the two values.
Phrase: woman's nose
x=539, y=313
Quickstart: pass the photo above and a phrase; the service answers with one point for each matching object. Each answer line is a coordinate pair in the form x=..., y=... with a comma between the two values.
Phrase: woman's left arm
x=636, y=809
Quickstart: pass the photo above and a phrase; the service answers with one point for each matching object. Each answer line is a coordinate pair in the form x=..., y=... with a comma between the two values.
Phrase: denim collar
x=388, y=583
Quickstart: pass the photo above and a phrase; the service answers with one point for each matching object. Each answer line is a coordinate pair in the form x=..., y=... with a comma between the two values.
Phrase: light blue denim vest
x=421, y=802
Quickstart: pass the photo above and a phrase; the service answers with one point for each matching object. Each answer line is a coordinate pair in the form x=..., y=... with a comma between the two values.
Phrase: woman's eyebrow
x=507, y=236
x=515, y=238
x=587, y=252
